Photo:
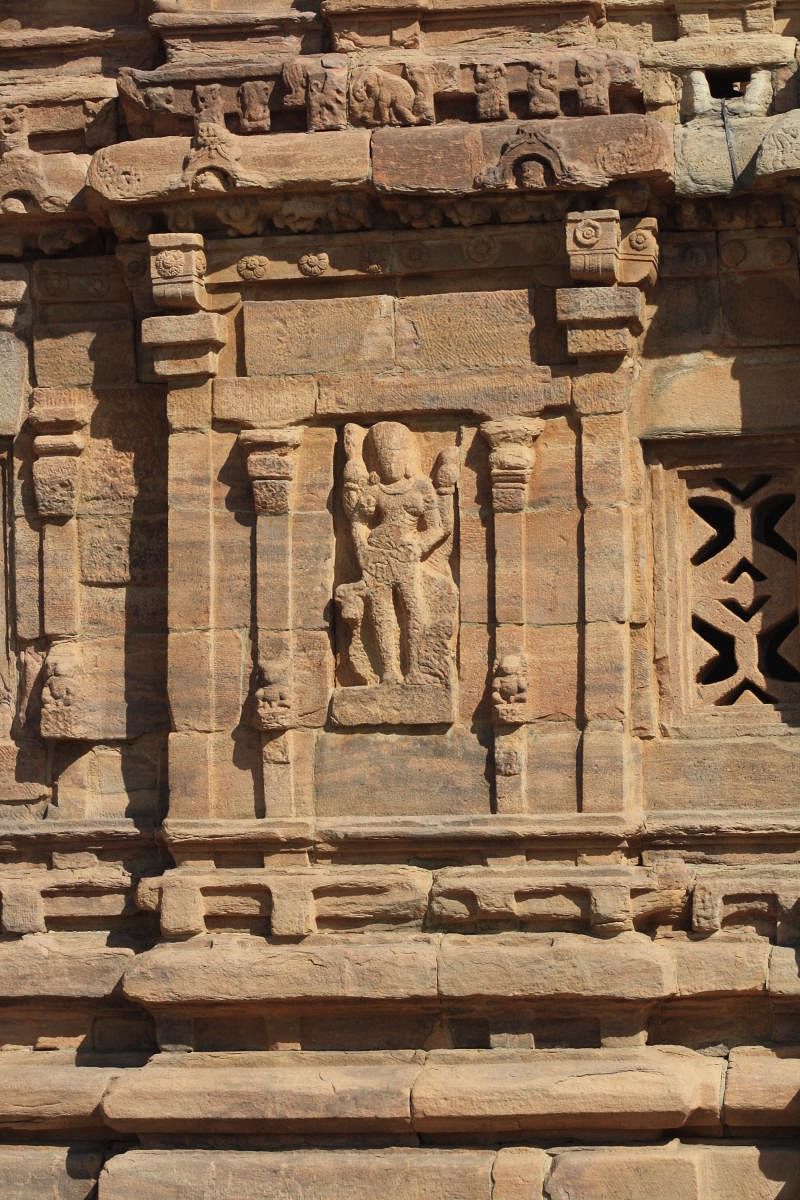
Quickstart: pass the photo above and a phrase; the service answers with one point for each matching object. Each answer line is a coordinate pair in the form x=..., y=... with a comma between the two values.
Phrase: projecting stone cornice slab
x=459, y=160
x=159, y=169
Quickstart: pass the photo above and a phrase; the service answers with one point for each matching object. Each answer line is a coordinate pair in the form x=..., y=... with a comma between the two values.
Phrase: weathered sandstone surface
x=400, y=658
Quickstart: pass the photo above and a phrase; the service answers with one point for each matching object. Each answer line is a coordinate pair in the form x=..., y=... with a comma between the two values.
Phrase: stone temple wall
x=400, y=668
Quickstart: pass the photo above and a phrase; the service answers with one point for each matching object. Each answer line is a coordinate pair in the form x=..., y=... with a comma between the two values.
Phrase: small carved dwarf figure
x=254, y=99
x=273, y=697
x=208, y=104
x=510, y=685
x=63, y=674
x=543, y=91
x=326, y=100
x=593, y=82
x=397, y=519
x=13, y=129
x=210, y=164
x=491, y=92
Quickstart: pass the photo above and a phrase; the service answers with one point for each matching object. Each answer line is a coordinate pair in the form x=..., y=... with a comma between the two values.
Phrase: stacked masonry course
x=400, y=667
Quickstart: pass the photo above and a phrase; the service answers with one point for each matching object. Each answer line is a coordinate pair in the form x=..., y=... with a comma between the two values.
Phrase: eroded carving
x=402, y=612
x=491, y=92
x=380, y=97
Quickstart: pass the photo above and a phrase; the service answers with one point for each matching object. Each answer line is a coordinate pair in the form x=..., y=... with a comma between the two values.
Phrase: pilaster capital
x=58, y=419
x=270, y=460
x=511, y=459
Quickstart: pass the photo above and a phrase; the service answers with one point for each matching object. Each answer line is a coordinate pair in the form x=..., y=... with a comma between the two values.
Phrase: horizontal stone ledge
x=37, y=1093
x=49, y=966
x=533, y=966
x=653, y=1089
x=675, y=828
x=160, y=169
x=574, y=152
x=439, y=968
x=578, y=828
x=762, y=1088
x=414, y=1174
x=720, y=51
x=330, y=969
x=390, y=253
x=284, y=400
x=689, y=1171
x=487, y=393
x=587, y=830
x=643, y=1089
x=84, y=833
x=232, y=1093
x=718, y=1171
x=55, y=1172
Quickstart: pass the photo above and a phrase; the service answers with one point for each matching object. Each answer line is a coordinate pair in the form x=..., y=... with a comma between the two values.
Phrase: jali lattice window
x=727, y=637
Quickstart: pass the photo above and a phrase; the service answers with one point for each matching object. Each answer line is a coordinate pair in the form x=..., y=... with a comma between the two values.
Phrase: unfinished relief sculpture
x=397, y=663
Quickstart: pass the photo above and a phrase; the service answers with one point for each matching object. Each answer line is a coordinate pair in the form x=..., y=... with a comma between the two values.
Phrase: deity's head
x=389, y=452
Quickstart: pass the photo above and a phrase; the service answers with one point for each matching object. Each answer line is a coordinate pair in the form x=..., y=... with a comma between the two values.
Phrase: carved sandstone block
x=652, y=1088
x=244, y=1175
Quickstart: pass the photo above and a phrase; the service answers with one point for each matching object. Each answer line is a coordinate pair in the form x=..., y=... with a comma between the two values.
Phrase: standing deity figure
x=402, y=612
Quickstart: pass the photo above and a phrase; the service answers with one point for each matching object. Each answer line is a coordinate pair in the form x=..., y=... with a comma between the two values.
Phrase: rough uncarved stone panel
x=762, y=1088
x=721, y=965
x=46, y=965
x=751, y=1172
x=301, y=337
x=526, y=966
x=37, y=1095
x=228, y=1096
x=702, y=775
x=699, y=393
x=284, y=1175
x=463, y=329
x=366, y=774
x=626, y=1174
x=347, y=970
x=71, y=356
x=577, y=1090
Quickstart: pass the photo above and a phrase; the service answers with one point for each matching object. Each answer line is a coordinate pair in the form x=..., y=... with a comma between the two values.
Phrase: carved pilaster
x=185, y=346
x=59, y=420
x=15, y=321
x=270, y=456
x=511, y=460
x=603, y=324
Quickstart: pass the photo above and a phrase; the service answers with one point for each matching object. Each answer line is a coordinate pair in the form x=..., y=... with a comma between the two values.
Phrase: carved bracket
x=177, y=270
x=603, y=249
